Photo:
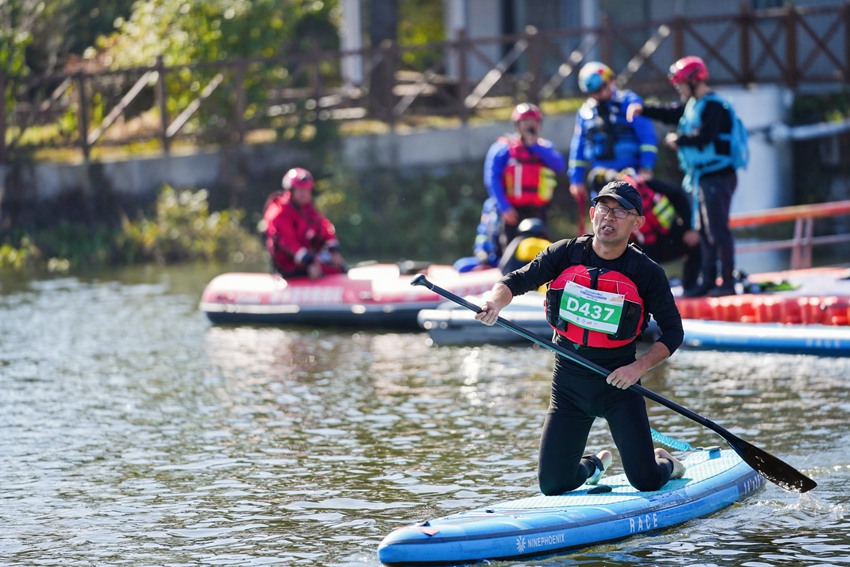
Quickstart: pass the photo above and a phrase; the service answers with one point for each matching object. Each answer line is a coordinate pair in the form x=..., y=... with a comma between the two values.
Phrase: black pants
x=579, y=396
x=671, y=246
x=717, y=245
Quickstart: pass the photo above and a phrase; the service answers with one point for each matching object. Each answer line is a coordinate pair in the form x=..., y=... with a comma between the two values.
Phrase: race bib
x=591, y=309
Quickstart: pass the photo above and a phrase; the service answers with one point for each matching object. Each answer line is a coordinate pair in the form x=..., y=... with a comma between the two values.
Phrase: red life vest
x=658, y=211
x=595, y=307
x=528, y=182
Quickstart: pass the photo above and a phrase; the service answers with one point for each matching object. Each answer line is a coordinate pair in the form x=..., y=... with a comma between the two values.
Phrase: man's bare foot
x=678, y=467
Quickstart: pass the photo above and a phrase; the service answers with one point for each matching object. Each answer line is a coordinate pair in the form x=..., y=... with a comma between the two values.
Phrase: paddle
x=770, y=467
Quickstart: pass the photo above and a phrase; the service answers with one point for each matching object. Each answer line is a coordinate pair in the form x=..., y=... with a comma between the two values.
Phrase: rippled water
x=136, y=433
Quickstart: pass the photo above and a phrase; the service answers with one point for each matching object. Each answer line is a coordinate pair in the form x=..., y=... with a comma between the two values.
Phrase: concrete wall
x=434, y=148
x=141, y=178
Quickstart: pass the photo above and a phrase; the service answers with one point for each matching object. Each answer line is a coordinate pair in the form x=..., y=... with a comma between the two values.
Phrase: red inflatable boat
x=374, y=295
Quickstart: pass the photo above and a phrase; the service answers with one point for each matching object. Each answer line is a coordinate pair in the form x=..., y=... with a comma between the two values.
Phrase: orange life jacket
x=595, y=307
x=527, y=180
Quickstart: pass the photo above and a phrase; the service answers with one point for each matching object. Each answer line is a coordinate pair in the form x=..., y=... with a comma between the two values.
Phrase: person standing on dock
x=711, y=143
x=601, y=293
x=603, y=137
x=300, y=240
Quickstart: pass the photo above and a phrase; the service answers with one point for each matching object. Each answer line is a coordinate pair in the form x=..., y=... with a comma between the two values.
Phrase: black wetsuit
x=580, y=395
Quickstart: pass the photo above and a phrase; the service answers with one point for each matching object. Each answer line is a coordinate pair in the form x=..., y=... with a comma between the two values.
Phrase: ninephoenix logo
x=524, y=544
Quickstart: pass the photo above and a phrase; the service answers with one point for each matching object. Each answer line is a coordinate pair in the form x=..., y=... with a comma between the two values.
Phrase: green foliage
x=205, y=31
x=213, y=30
x=379, y=215
x=814, y=182
x=808, y=109
x=14, y=39
x=79, y=244
x=50, y=31
x=387, y=215
x=183, y=229
x=86, y=20
x=421, y=22
x=16, y=33
x=18, y=258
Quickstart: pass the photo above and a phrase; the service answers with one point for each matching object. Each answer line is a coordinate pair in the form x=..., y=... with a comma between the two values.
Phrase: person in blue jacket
x=604, y=137
x=520, y=171
x=487, y=248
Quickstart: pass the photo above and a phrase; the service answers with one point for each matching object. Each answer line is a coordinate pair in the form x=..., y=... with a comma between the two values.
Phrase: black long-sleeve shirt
x=650, y=279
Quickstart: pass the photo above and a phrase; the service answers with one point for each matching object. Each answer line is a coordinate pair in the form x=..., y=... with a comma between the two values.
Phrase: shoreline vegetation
x=381, y=216
x=181, y=229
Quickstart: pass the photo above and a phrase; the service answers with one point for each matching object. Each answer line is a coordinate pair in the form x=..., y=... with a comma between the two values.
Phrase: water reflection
x=135, y=432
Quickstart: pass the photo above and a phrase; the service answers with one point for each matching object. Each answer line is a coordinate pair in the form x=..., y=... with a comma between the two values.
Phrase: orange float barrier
x=820, y=296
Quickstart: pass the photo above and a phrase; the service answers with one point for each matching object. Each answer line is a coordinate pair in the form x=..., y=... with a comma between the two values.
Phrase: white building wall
x=480, y=18
x=766, y=183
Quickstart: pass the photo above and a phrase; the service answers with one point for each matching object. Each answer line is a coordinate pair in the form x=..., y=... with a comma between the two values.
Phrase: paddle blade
x=772, y=468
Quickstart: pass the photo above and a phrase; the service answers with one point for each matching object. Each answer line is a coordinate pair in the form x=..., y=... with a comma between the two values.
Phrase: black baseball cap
x=624, y=193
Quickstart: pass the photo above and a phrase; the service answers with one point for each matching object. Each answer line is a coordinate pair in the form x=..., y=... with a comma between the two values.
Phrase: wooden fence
x=233, y=102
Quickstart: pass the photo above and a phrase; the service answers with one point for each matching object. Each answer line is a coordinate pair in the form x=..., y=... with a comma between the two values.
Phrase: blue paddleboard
x=542, y=525
x=823, y=340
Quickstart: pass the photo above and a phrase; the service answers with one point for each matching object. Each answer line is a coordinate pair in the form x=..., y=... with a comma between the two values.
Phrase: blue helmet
x=593, y=76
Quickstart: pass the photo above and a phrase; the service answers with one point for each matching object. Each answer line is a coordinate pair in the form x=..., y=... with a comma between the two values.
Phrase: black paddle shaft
x=770, y=467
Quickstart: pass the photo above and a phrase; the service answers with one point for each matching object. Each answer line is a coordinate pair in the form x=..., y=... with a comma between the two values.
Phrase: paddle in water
x=770, y=467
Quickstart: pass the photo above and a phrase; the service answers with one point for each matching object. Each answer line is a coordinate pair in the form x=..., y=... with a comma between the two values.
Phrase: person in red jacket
x=301, y=241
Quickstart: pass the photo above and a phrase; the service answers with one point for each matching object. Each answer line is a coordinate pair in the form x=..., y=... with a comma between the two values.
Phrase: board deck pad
x=612, y=510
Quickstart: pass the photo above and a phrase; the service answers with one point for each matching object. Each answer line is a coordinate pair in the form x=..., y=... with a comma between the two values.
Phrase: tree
x=215, y=30
x=45, y=34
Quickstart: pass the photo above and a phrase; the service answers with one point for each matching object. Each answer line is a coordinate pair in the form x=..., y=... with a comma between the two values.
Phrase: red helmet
x=526, y=111
x=593, y=76
x=688, y=69
x=297, y=178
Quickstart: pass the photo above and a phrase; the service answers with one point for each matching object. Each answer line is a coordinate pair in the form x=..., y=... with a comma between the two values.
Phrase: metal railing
x=803, y=239
x=226, y=102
